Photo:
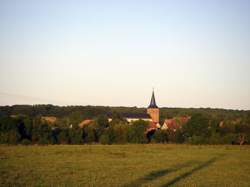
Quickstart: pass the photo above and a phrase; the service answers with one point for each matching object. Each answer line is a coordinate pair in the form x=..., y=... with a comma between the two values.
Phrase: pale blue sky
x=194, y=53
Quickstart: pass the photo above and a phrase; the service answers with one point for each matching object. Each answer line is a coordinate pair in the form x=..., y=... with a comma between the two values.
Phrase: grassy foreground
x=124, y=165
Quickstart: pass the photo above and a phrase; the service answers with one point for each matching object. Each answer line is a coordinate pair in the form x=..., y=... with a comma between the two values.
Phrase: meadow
x=125, y=165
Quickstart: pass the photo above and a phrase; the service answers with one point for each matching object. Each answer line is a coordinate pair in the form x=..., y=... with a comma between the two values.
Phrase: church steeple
x=152, y=102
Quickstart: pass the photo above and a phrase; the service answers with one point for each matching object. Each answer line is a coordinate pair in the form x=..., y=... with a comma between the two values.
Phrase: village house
x=175, y=123
x=152, y=115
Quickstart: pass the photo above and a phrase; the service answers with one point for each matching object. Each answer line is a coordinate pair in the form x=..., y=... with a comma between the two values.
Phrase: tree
x=63, y=137
x=120, y=133
x=107, y=136
x=101, y=124
x=198, y=125
x=44, y=133
x=76, y=135
x=8, y=130
x=137, y=132
x=13, y=137
x=175, y=136
x=89, y=134
x=160, y=136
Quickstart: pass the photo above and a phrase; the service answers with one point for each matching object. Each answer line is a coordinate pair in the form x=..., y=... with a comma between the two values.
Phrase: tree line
x=23, y=125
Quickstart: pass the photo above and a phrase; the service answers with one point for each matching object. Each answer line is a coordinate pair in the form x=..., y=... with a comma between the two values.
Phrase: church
x=153, y=111
x=152, y=115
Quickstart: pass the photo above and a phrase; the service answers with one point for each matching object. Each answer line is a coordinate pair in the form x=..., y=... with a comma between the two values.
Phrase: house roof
x=152, y=126
x=85, y=122
x=152, y=102
x=172, y=124
x=176, y=123
x=49, y=119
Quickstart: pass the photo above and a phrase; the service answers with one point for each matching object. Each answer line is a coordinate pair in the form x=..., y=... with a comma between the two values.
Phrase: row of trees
x=200, y=129
x=26, y=131
x=83, y=112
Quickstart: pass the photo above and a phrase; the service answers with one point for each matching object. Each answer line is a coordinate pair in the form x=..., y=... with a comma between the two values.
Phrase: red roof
x=176, y=123
x=152, y=126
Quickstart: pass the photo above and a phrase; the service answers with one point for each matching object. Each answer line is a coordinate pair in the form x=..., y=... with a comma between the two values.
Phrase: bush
x=3, y=137
x=89, y=134
x=197, y=140
x=44, y=134
x=63, y=137
x=108, y=136
x=26, y=142
x=43, y=141
x=13, y=137
x=137, y=132
x=215, y=139
x=75, y=136
x=120, y=133
x=160, y=136
x=104, y=139
x=198, y=125
x=175, y=136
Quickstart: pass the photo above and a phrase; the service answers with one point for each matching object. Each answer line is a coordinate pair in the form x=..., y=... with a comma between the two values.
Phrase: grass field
x=124, y=165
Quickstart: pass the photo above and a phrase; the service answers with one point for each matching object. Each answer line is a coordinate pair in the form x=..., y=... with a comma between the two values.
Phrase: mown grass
x=124, y=165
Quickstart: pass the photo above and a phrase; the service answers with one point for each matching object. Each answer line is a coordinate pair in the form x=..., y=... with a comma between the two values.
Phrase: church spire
x=152, y=102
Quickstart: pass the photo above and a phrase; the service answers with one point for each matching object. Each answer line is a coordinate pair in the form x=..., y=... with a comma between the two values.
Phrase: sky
x=114, y=52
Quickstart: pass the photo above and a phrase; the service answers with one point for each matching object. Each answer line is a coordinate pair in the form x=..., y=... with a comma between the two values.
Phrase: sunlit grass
x=124, y=165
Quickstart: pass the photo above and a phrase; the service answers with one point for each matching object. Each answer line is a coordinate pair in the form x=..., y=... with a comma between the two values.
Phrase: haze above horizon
x=194, y=53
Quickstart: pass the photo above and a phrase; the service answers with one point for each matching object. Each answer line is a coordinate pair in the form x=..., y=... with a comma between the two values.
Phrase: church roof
x=136, y=115
x=152, y=102
x=132, y=115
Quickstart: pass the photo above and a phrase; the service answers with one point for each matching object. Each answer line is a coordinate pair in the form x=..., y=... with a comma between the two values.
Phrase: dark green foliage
x=160, y=136
x=63, y=136
x=8, y=131
x=198, y=140
x=13, y=137
x=198, y=125
x=44, y=133
x=108, y=136
x=104, y=139
x=137, y=132
x=26, y=142
x=89, y=134
x=120, y=133
x=101, y=124
x=22, y=123
x=175, y=136
x=76, y=136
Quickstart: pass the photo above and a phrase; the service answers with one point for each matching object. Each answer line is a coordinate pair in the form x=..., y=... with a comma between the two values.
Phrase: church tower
x=153, y=109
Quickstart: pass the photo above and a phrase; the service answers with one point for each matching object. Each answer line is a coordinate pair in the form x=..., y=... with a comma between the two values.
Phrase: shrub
x=104, y=139
x=175, y=136
x=13, y=137
x=75, y=136
x=198, y=125
x=120, y=133
x=198, y=140
x=3, y=137
x=89, y=134
x=26, y=142
x=215, y=139
x=63, y=137
x=108, y=136
x=136, y=132
x=160, y=136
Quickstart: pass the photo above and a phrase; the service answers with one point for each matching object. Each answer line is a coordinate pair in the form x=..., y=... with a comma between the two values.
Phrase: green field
x=124, y=165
